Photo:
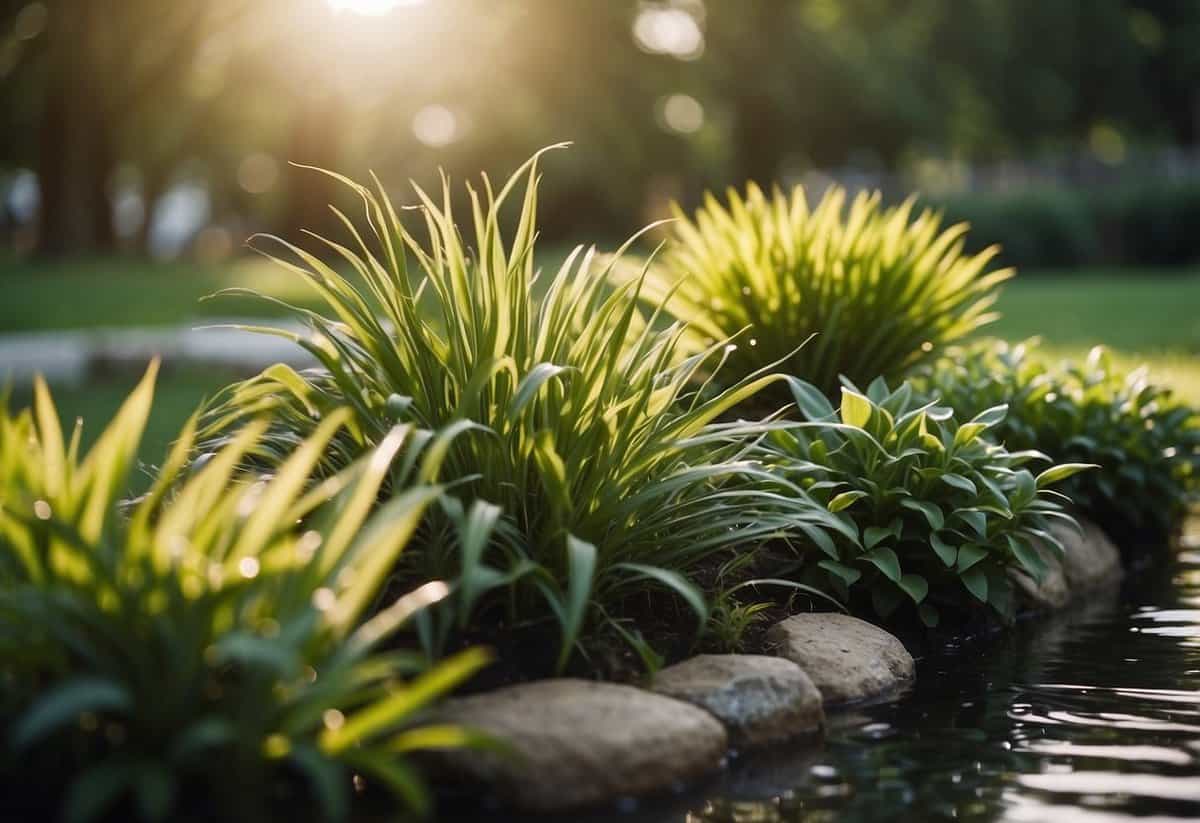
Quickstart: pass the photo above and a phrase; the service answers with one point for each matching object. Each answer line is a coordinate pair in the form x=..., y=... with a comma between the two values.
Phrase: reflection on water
x=1091, y=717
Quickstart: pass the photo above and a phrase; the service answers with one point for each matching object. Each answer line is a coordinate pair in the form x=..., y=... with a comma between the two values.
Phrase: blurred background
x=143, y=141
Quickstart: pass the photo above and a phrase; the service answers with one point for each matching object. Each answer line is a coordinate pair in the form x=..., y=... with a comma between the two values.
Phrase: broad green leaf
x=976, y=583
x=886, y=561
x=1029, y=558
x=933, y=514
x=848, y=575
x=977, y=520
x=1025, y=489
x=915, y=586
x=990, y=417
x=969, y=554
x=812, y=403
x=1062, y=471
x=874, y=534
x=967, y=433
x=959, y=482
x=946, y=553
x=856, y=409
x=844, y=499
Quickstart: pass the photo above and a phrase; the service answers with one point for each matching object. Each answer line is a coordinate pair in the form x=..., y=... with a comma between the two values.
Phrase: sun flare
x=371, y=8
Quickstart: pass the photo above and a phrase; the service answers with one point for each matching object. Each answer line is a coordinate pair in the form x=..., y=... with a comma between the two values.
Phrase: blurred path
x=69, y=356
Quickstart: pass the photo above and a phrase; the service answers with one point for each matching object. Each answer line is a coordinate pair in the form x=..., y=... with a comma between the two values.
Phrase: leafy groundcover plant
x=943, y=512
x=585, y=453
x=882, y=290
x=202, y=658
x=1146, y=442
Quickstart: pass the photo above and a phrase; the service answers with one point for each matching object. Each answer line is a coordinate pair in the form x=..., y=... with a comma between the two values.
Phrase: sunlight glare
x=371, y=8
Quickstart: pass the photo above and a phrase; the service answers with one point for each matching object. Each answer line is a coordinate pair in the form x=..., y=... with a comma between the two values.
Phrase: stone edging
x=572, y=743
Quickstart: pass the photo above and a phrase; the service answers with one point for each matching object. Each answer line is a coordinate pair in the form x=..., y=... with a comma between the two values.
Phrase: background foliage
x=112, y=97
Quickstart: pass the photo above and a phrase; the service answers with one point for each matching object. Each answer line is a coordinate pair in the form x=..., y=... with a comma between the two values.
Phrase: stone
x=759, y=699
x=1051, y=592
x=848, y=659
x=572, y=743
x=1090, y=560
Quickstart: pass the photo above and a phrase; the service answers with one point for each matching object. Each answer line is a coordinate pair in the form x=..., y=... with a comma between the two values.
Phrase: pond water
x=1089, y=716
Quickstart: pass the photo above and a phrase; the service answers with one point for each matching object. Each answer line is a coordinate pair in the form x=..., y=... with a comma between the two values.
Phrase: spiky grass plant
x=881, y=288
x=942, y=512
x=1146, y=441
x=203, y=655
x=584, y=445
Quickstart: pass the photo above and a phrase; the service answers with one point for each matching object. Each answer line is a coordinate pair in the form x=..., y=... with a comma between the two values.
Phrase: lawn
x=94, y=293
x=1145, y=316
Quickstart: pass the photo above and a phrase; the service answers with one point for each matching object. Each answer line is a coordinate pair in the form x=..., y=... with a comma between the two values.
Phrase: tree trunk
x=76, y=155
x=314, y=142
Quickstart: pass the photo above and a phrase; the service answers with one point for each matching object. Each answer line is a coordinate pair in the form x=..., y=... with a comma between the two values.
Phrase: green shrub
x=1134, y=224
x=880, y=289
x=1152, y=225
x=942, y=512
x=1146, y=442
x=1040, y=227
x=202, y=656
x=584, y=444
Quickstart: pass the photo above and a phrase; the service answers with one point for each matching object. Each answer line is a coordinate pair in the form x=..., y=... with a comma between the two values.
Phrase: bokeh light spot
x=682, y=113
x=667, y=30
x=435, y=126
x=258, y=173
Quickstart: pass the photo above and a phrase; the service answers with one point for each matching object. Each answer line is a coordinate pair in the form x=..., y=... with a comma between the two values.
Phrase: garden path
x=70, y=355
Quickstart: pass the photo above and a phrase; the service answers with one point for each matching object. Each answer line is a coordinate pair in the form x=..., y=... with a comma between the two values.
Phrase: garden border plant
x=157, y=658
x=589, y=460
x=944, y=513
x=590, y=451
x=880, y=290
x=1146, y=441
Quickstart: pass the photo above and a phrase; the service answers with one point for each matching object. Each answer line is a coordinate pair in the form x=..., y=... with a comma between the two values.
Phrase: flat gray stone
x=759, y=699
x=848, y=659
x=575, y=742
x=1090, y=561
x=1049, y=593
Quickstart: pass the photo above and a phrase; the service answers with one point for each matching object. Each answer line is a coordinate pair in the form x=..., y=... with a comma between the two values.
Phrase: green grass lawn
x=94, y=293
x=1144, y=316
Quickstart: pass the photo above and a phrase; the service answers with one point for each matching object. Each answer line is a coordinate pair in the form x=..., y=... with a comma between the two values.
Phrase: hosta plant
x=584, y=452
x=201, y=656
x=1146, y=442
x=942, y=512
x=881, y=288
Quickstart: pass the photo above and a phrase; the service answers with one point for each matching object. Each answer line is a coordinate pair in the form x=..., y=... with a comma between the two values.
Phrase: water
x=1087, y=717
